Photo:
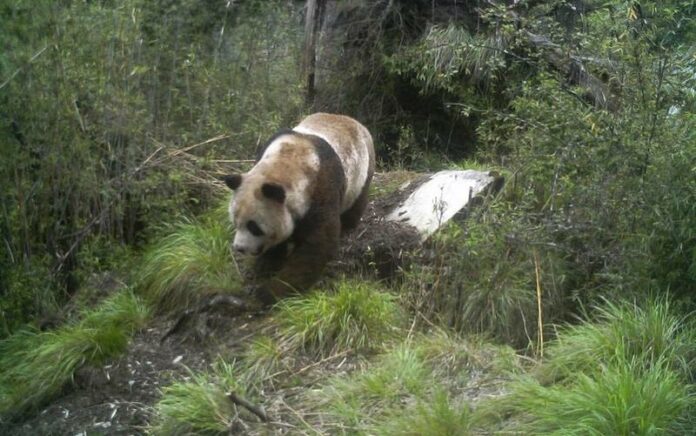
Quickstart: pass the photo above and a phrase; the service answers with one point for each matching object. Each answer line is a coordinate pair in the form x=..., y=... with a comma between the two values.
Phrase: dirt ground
x=117, y=398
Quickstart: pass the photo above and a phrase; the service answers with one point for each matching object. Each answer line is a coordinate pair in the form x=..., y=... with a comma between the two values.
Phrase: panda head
x=259, y=212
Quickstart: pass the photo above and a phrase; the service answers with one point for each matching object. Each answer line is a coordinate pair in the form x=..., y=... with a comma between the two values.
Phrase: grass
x=361, y=400
x=413, y=386
x=623, y=332
x=483, y=281
x=35, y=366
x=455, y=356
x=437, y=415
x=263, y=358
x=622, y=399
x=191, y=261
x=200, y=404
x=358, y=316
x=626, y=373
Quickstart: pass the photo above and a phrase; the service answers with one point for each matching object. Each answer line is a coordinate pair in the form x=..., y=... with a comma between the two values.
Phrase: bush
x=483, y=279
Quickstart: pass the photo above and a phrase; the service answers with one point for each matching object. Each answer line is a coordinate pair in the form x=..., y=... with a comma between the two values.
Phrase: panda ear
x=274, y=192
x=233, y=181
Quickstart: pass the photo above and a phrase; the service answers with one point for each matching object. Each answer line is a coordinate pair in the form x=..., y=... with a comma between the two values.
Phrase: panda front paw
x=261, y=294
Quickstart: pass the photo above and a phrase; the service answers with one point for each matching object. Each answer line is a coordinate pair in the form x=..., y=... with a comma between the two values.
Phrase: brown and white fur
x=309, y=185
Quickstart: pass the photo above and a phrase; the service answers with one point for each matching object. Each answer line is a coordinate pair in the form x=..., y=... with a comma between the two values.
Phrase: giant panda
x=308, y=186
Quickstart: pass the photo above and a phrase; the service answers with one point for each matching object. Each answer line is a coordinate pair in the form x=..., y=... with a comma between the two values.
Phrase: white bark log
x=437, y=200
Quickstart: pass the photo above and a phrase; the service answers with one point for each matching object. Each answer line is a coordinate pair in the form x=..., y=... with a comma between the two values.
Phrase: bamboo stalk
x=540, y=322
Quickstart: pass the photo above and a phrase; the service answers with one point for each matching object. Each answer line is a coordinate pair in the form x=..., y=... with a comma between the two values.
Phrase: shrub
x=483, y=280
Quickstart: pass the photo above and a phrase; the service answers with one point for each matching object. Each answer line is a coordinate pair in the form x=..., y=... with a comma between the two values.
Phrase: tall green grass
x=649, y=333
x=200, y=404
x=191, y=261
x=358, y=316
x=629, y=372
x=624, y=399
x=35, y=366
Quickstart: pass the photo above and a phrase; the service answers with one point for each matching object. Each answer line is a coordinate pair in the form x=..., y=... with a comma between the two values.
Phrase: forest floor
x=119, y=397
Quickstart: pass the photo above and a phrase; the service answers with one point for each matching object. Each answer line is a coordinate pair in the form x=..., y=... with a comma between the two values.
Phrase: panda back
x=352, y=143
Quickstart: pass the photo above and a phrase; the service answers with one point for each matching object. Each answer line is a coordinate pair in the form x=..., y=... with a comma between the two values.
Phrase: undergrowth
x=651, y=333
x=438, y=415
x=357, y=316
x=624, y=398
x=200, y=404
x=630, y=372
x=483, y=280
x=191, y=261
x=413, y=386
x=34, y=366
x=265, y=357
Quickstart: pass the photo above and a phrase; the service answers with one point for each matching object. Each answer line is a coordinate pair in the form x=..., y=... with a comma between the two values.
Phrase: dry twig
x=251, y=407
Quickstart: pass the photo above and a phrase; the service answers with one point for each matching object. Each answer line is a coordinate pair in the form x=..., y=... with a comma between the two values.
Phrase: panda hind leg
x=351, y=218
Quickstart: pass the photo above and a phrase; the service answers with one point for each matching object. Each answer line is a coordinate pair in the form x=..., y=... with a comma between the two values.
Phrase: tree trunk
x=313, y=22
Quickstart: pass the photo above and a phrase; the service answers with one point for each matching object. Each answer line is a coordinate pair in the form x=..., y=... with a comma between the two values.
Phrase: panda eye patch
x=254, y=228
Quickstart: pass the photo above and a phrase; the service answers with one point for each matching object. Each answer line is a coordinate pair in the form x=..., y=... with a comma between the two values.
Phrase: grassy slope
x=356, y=358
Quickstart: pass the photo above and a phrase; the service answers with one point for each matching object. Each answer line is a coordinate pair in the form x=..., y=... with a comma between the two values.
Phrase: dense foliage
x=117, y=119
x=93, y=127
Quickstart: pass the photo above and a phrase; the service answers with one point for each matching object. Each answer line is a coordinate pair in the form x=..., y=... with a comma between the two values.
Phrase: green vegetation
x=263, y=358
x=200, y=405
x=35, y=366
x=436, y=416
x=651, y=334
x=621, y=399
x=106, y=138
x=193, y=260
x=629, y=372
x=414, y=384
x=468, y=286
x=358, y=316
x=562, y=305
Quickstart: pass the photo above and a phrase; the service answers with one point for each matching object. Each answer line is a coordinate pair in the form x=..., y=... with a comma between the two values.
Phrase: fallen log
x=400, y=222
